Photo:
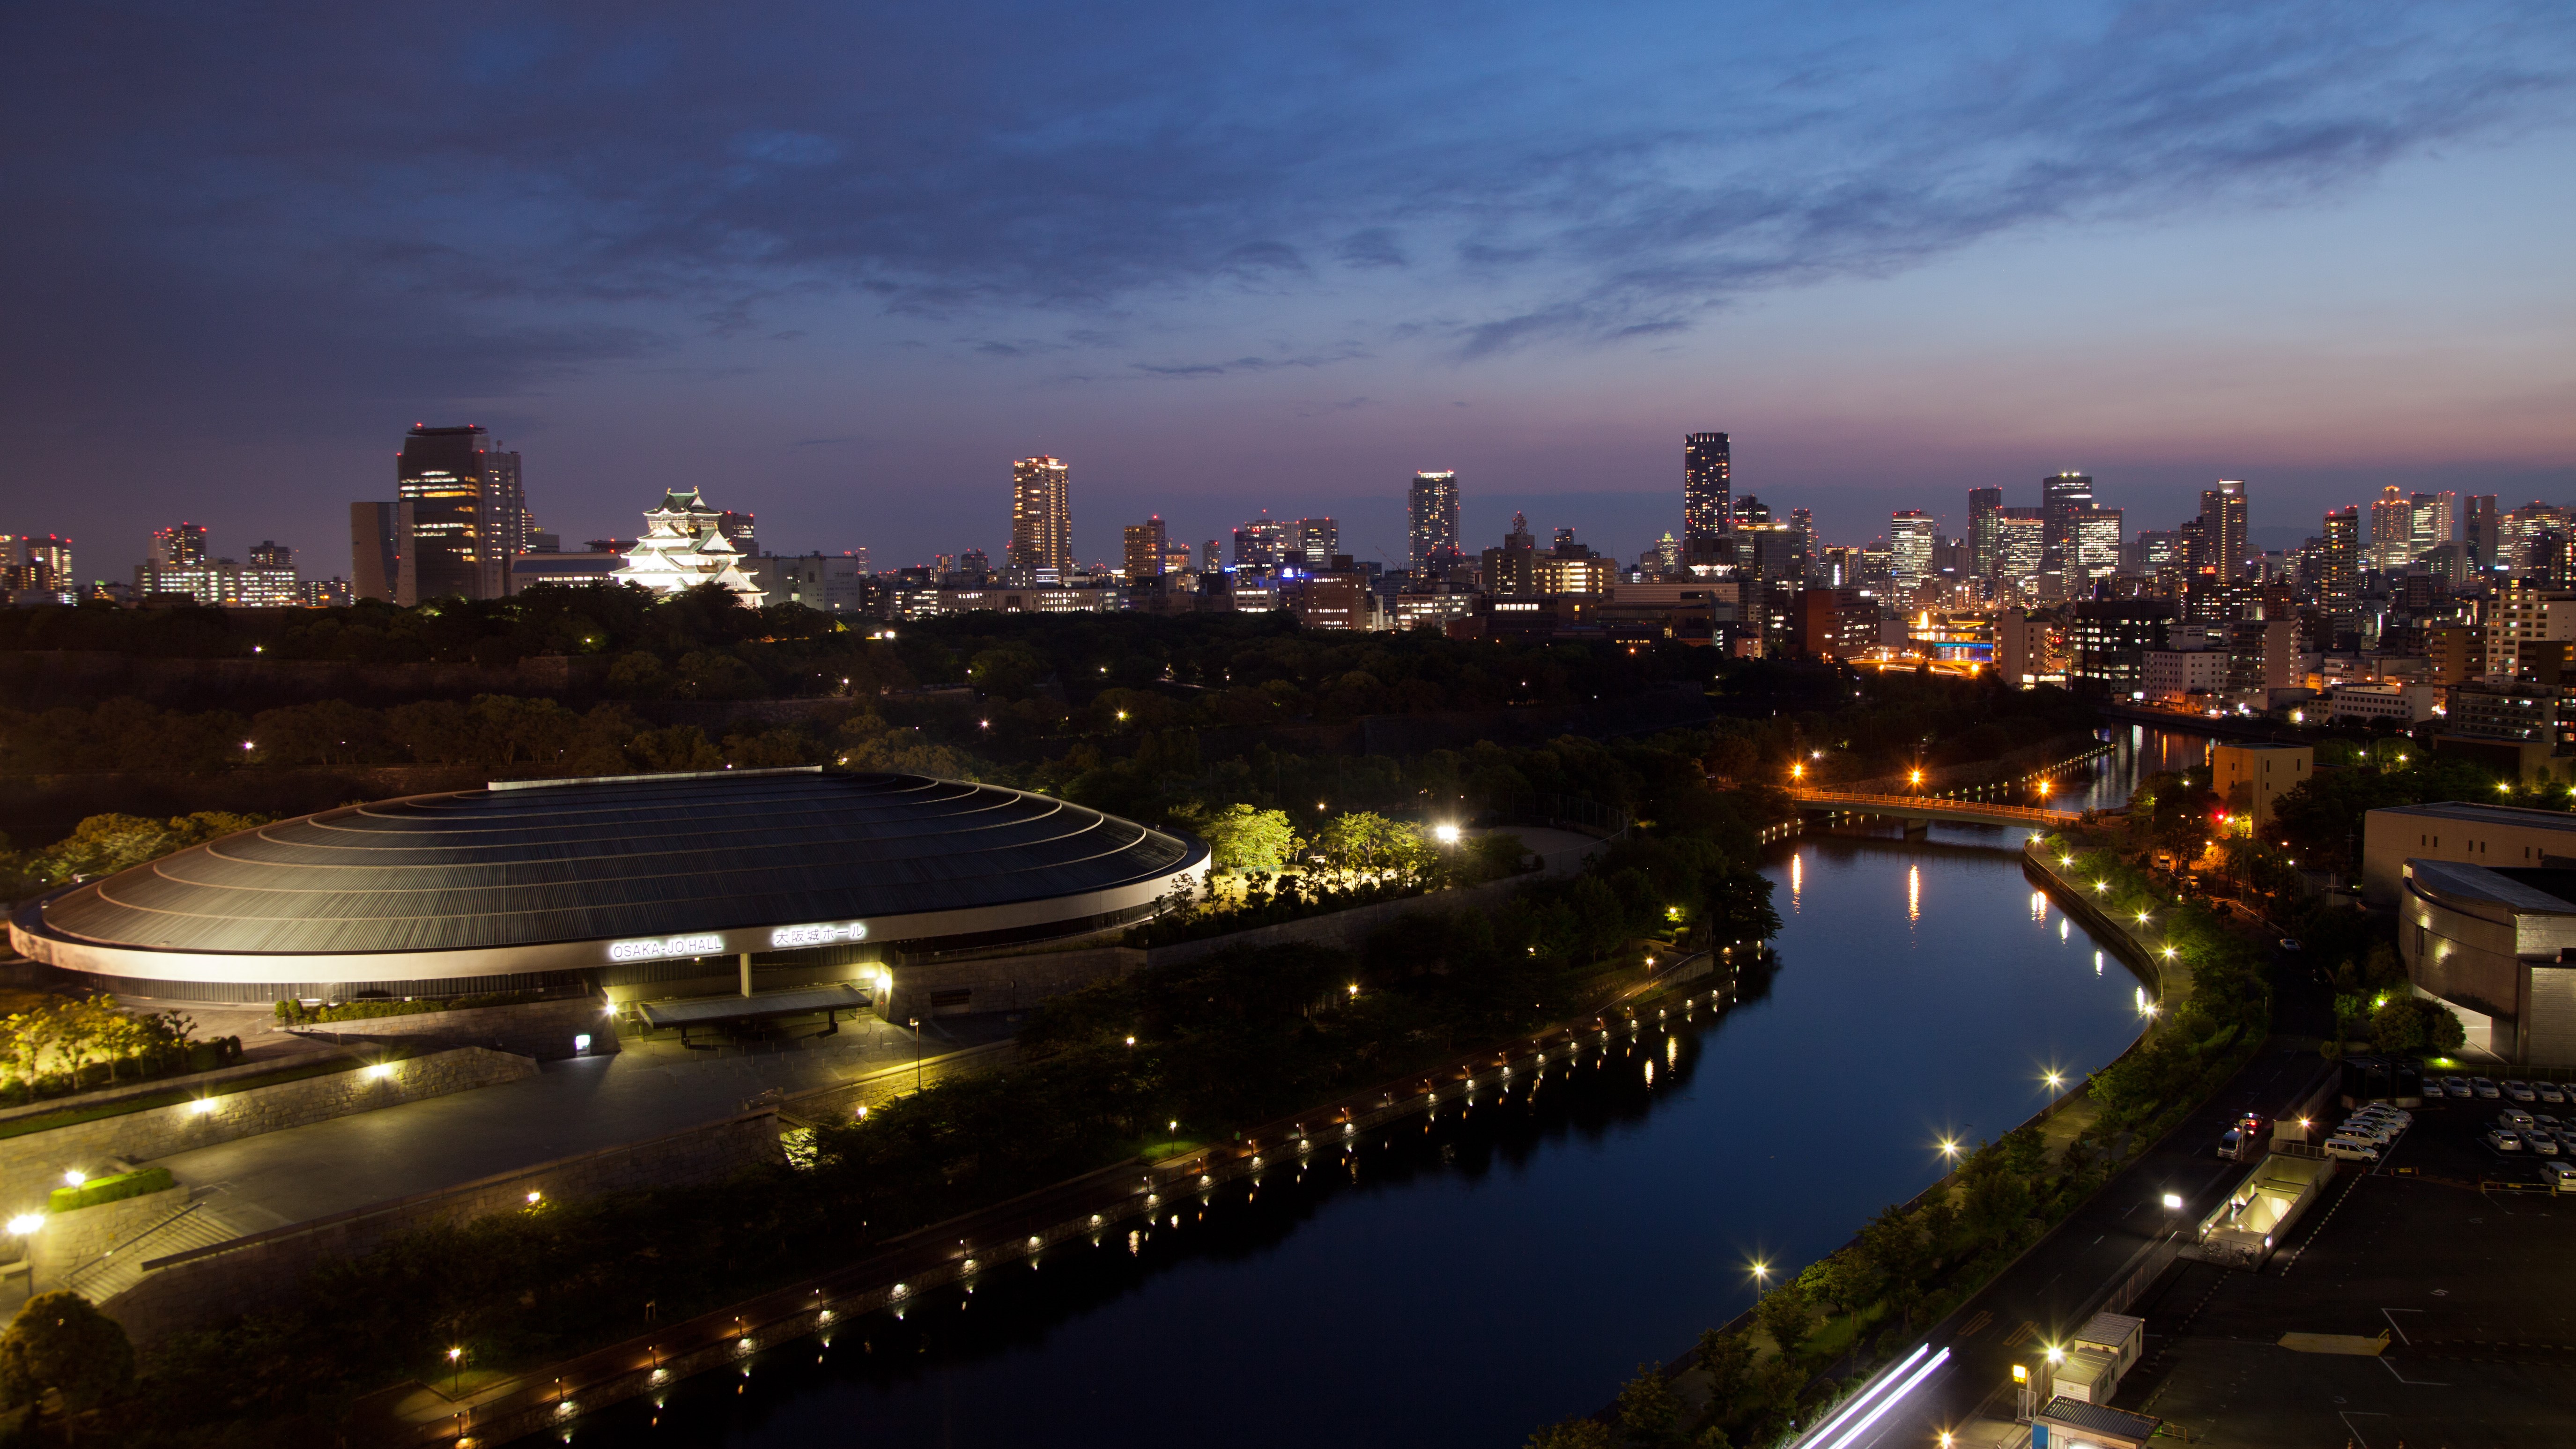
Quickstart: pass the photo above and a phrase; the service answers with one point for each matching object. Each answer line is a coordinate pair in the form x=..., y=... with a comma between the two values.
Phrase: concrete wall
x=212, y=1285
x=1002, y=983
x=543, y=1030
x=41, y=1158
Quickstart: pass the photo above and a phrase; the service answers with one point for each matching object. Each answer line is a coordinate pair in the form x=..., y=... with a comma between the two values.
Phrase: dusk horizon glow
x=839, y=270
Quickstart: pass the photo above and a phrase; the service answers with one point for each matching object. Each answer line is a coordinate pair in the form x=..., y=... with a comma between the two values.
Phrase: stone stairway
x=195, y=1225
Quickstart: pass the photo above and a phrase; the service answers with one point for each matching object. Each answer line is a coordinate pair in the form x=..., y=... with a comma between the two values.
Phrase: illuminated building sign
x=820, y=935
x=665, y=948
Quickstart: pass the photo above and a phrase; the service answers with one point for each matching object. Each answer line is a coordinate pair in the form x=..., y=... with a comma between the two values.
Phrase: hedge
x=108, y=1189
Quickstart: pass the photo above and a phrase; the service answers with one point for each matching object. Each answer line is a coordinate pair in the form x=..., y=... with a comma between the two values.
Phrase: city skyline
x=2231, y=259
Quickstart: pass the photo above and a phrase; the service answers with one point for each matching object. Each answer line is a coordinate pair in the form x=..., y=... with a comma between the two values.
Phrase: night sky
x=839, y=264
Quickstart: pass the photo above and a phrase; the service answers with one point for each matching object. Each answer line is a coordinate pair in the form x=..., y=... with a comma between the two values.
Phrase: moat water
x=1464, y=1284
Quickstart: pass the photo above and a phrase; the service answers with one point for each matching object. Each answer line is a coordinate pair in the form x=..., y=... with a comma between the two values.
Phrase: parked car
x=2456, y=1086
x=2551, y=1092
x=2543, y=1119
x=2520, y=1090
x=2543, y=1143
x=2561, y=1176
x=2487, y=1091
x=2353, y=1149
x=2504, y=1139
x=2377, y=1133
x=2381, y=1109
x=2516, y=1118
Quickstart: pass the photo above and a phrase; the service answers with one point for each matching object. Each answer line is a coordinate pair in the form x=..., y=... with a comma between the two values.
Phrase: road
x=2037, y=1298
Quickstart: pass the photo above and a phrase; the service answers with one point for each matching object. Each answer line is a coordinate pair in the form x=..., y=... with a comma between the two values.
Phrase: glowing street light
x=25, y=1224
x=1445, y=834
x=1950, y=1148
x=2054, y=1079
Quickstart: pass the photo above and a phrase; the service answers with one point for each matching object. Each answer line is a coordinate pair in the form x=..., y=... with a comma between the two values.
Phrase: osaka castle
x=682, y=548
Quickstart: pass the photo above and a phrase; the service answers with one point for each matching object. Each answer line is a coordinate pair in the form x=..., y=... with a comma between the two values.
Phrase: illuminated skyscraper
x=1041, y=515
x=1909, y=550
x=2339, y=564
x=2392, y=530
x=1313, y=542
x=460, y=515
x=1708, y=487
x=1145, y=549
x=2060, y=496
x=181, y=545
x=1985, y=518
x=2222, y=513
x=1431, y=515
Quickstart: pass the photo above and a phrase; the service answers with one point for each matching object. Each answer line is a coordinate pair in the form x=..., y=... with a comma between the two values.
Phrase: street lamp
x=1445, y=834
x=456, y=1361
x=1950, y=1148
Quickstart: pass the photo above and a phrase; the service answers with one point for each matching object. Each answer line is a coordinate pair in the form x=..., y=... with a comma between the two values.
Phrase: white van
x=2351, y=1149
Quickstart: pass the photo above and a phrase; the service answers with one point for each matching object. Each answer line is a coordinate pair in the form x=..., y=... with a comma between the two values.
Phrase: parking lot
x=2444, y=1265
x=2448, y=1141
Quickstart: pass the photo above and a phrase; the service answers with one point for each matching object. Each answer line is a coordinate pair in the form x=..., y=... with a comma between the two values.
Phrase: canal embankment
x=1083, y=1212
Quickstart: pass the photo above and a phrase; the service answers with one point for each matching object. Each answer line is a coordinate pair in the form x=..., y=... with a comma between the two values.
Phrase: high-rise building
x=1513, y=568
x=2339, y=562
x=1909, y=550
x=2060, y=495
x=2392, y=530
x=1431, y=515
x=1041, y=516
x=2092, y=547
x=375, y=551
x=1314, y=541
x=2479, y=531
x=1211, y=556
x=2021, y=549
x=1708, y=487
x=181, y=545
x=2432, y=520
x=2222, y=512
x=270, y=554
x=1804, y=521
x=738, y=530
x=461, y=516
x=1260, y=544
x=1985, y=512
x=1145, y=549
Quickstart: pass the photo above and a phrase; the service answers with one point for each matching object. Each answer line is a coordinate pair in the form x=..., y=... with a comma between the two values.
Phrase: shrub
x=108, y=1189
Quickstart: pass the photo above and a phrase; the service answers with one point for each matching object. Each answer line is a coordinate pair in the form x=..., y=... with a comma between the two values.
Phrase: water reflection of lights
x=2097, y=963
x=1797, y=878
x=2061, y=928
x=2039, y=907
x=1914, y=893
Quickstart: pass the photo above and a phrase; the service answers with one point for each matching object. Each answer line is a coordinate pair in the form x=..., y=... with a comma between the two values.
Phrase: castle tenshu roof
x=606, y=859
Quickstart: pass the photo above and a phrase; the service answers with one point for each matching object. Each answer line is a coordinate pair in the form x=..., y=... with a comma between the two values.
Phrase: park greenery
x=296, y=1013
x=60, y=1344
x=73, y=1044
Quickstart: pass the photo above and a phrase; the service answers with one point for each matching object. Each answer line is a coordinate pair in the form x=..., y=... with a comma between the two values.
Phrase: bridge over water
x=1915, y=809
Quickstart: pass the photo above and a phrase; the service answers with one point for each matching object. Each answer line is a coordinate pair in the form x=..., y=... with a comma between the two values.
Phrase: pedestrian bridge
x=1932, y=807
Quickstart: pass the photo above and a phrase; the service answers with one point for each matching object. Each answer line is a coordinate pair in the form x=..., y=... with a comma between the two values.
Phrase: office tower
x=1431, y=515
x=2150, y=550
x=2060, y=494
x=737, y=529
x=1668, y=554
x=181, y=545
x=2021, y=549
x=270, y=554
x=1513, y=568
x=2392, y=530
x=460, y=515
x=1985, y=511
x=1145, y=550
x=2222, y=512
x=1041, y=516
x=375, y=550
x=1176, y=558
x=2431, y=520
x=1804, y=521
x=2092, y=547
x=45, y=558
x=1708, y=488
x=1211, y=556
x=1909, y=549
x=2479, y=532
x=1313, y=541
x=2339, y=561
x=1260, y=544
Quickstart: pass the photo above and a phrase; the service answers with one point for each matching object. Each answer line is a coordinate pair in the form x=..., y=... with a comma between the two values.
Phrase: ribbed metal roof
x=643, y=857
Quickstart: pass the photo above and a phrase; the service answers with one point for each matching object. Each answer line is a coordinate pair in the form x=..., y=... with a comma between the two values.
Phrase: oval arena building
x=626, y=882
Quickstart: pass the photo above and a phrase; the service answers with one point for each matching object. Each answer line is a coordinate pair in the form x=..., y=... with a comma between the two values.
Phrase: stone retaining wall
x=76, y=1237
x=43, y=1157
x=543, y=1030
x=208, y=1285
